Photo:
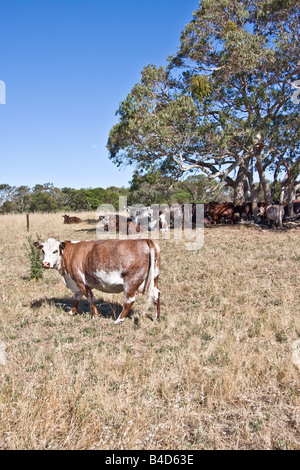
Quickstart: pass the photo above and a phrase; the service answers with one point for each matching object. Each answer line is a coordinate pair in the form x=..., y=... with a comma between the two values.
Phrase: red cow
x=71, y=220
x=220, y=211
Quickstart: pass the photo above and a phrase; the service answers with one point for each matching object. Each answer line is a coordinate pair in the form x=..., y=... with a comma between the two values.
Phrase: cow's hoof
x=119, y=320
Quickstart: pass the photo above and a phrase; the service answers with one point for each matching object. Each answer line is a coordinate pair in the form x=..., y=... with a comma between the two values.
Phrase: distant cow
x=163, y=223
x=71, y=220
x=119, y=224
x=245, y=208
x=295, y=205
x=143, y=217
x=273, y=213
x=132, y=227
x=220, y=211
x=177, y=215
x=111, y=266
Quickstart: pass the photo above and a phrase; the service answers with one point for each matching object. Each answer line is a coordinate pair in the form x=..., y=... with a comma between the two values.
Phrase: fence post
x=27, y=220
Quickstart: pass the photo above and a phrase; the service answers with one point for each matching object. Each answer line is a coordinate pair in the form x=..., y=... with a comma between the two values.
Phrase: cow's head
x=262, y=210
x=52, y=251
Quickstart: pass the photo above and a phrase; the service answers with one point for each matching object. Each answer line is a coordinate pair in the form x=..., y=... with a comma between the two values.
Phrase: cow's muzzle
x=46, y=265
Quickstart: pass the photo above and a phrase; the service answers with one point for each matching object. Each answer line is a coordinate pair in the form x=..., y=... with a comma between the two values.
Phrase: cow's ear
x=38, y=245
x=62, y=246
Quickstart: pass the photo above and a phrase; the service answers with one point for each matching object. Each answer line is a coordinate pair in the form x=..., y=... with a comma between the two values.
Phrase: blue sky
x=66, y=65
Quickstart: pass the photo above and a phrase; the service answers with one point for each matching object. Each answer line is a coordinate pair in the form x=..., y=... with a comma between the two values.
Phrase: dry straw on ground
x=215, y=373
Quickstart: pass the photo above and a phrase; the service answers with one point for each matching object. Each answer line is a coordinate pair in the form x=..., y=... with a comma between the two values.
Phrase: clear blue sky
x=67, y=64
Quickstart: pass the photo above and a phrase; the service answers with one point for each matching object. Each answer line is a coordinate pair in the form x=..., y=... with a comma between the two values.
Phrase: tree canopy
x=223, y=105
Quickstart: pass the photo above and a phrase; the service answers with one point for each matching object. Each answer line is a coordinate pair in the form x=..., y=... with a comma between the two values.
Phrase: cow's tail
x=153, y=271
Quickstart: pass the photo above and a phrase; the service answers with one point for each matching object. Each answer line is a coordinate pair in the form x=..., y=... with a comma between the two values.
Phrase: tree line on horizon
x=148, y=189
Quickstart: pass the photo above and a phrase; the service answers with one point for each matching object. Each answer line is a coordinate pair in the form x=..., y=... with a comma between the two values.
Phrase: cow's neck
x=62, y=268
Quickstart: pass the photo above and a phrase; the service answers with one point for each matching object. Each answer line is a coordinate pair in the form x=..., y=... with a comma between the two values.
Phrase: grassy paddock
x=215, y=373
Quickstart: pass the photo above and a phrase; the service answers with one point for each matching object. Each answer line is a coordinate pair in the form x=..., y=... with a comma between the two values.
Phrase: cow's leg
x=77, y=297
x=91, y=299
x=74, y=309
x=85, y=290
x=129, y=299
x=157, y=300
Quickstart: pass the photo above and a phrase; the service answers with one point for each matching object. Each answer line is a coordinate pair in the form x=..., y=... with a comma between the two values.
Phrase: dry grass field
x=215, y=373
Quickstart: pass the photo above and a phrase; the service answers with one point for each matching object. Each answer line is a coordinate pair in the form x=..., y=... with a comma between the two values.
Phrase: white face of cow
x=51, y=252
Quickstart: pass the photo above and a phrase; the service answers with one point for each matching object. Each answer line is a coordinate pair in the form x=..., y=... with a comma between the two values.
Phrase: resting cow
x=71, y=220
x=111, y=266
x=220, y=211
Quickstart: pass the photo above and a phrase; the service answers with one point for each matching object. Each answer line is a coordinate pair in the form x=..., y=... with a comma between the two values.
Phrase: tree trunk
x=291, y=195
x=282, y=193
x=264, y=184
x=253, y=193
x=239, y=188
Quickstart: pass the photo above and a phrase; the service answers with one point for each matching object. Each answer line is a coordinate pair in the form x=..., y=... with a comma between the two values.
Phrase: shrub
x=34, y=256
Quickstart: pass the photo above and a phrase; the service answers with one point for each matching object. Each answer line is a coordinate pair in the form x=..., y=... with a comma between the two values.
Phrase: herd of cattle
x=272, y=213
x=162, y=218
x=184, y=215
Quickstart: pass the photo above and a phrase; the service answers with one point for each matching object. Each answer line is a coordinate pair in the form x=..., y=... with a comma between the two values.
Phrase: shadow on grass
x=106, y=309
x=91, y=221
x=258, y=226
x=86, y=230
x=251, y=224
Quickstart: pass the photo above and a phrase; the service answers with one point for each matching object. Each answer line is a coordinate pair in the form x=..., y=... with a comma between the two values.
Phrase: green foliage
x=8, y=207
x=34, y=256
x=95, y=197
x=150, y=187
x=155, y=188
x=43, y=202
x=47, y=198
x=223, y=104
x=200, y=87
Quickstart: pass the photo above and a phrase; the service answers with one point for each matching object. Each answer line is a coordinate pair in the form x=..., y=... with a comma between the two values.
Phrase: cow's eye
x=56, y=251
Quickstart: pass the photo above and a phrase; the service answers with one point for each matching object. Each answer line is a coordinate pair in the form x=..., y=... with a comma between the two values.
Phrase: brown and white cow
x=71, y=220
x=111, y=266
x=273, y=213
x=119, y=224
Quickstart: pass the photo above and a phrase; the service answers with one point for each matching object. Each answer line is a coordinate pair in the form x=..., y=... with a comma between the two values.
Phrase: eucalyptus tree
x=223, y=105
